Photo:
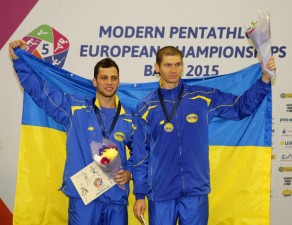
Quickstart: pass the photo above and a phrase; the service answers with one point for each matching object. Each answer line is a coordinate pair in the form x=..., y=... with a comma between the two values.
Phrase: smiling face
x=106, y=82
x=170, y=70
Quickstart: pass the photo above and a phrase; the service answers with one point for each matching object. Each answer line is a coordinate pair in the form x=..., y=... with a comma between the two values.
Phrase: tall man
x=86, y=120
x=170, y=157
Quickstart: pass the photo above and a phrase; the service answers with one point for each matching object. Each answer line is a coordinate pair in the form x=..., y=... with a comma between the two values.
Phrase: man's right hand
x=139, y=209
x=16, y=44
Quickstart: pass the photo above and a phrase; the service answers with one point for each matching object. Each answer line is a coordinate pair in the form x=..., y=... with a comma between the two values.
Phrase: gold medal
x=168, y=127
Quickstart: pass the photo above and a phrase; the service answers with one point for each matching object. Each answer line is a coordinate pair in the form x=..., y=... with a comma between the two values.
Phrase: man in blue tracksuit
x=86, y=120
x=170, y=157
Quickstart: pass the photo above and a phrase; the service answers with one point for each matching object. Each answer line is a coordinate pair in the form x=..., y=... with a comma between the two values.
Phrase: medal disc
x=168, y=127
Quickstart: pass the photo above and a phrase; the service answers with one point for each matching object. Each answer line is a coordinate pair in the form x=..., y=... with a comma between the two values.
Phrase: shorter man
x=79, y=115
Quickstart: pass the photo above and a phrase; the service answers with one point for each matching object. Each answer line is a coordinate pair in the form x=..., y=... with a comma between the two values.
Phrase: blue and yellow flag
x=240, y=152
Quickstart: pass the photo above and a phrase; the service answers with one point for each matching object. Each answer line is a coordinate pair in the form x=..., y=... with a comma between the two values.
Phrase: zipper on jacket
x=180, y=149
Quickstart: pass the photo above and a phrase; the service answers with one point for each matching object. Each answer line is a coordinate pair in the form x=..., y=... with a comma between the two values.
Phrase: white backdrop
x=220, y=25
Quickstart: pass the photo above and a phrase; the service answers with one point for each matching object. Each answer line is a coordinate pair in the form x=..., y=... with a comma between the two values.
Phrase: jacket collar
x=174, y=91
x=97, y=104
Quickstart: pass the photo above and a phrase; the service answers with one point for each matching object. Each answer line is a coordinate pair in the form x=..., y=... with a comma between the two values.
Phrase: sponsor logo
x=287, y=193
x=286, y=157
x=47, y=43
x=287, y=181
x=286, y=132
x=286, y=95
x=288, y=107
x=285, y=169
x=286, y=144
x=192, y=118
x=285, y=120
x=119, y=136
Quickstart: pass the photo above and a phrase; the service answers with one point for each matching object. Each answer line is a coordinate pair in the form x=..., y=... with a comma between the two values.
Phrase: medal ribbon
x=105, y=133
x=174, y=108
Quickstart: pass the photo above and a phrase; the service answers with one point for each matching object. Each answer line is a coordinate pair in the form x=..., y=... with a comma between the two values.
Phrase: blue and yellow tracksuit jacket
x=78, y=118
x=169, y=165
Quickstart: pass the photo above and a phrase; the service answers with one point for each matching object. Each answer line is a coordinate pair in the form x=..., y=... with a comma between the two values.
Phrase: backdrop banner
x=240, y=152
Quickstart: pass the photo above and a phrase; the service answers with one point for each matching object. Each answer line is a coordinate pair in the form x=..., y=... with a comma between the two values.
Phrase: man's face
x=107, y=81
x=170, y=71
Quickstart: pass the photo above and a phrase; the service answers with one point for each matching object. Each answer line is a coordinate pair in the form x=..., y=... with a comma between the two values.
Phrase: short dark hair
x=166, y=51
x=105, y=63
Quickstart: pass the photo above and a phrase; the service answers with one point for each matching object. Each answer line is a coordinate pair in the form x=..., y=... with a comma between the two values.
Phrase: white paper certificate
x=91, y=182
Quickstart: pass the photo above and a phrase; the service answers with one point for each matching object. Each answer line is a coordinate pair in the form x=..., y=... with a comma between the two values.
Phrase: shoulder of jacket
x=81, y=100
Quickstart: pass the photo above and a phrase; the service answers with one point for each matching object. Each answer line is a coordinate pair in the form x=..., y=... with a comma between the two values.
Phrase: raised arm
x=271, y=66
x=16, y=44
x=54, y=102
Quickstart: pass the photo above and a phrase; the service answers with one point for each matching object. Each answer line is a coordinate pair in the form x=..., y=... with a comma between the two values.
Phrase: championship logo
x=48, y=44
x=98, y=182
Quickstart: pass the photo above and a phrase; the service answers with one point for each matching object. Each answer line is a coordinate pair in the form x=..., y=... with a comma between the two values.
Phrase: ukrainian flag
x=240, y=152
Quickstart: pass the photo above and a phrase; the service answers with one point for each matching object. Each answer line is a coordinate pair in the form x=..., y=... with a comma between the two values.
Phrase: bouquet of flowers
x=107, y=157
x=260, y=34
